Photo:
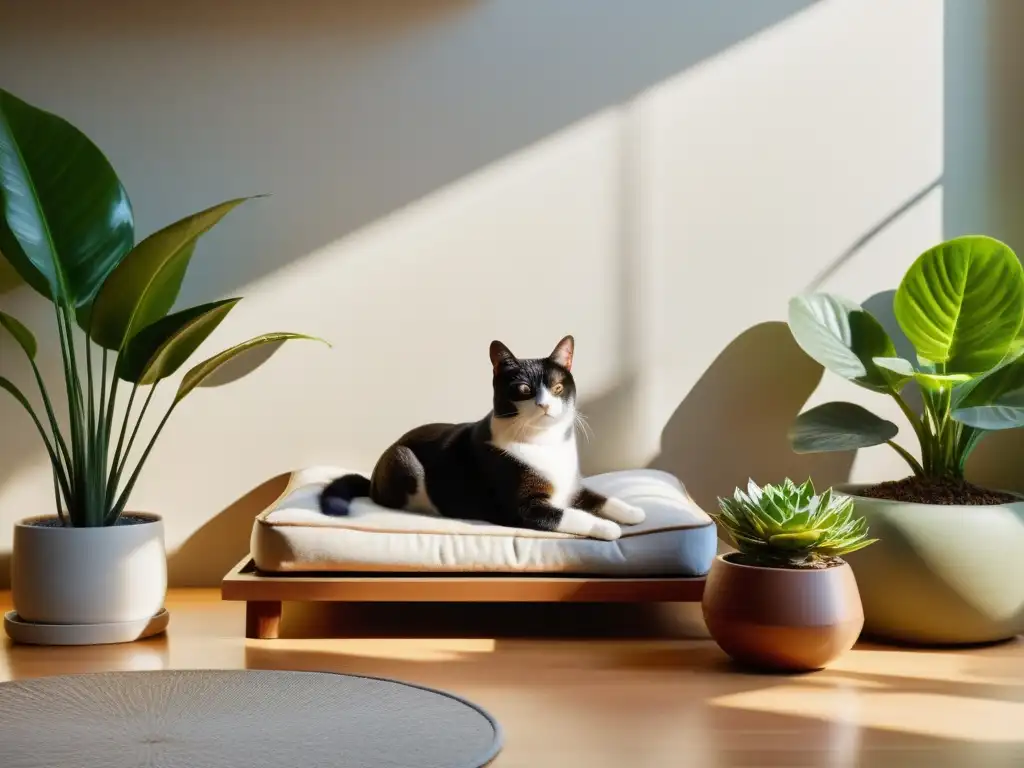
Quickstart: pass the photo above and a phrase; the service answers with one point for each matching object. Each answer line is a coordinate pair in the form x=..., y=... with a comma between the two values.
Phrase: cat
x=518, y=466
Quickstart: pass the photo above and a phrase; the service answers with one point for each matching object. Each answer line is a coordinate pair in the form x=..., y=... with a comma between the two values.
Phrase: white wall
x=655, y=177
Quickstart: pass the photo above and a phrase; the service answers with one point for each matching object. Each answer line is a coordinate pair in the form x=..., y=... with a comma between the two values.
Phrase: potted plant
x=785, y=600
x=948, y=568
x=94, y=569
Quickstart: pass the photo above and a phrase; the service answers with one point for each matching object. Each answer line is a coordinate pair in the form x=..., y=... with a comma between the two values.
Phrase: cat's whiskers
x=581, y=421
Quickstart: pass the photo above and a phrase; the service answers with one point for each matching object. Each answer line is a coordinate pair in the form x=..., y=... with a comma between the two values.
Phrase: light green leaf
x=797, y=540
x=961, y=303
x=21, y=334
x=145, y=285
x=206, y=369
x=896, y=370
x=843, y=337
x=839, y=426
x=160, y=349
x=65, y=219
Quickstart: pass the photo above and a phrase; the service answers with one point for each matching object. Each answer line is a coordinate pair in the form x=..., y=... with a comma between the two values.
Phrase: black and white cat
x=518, y=466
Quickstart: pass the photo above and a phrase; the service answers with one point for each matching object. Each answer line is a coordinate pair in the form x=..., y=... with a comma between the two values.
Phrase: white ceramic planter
x=114, y=575
x=940, y=575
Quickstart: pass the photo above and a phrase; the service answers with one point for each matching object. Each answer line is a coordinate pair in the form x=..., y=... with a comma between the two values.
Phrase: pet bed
x=376, y=554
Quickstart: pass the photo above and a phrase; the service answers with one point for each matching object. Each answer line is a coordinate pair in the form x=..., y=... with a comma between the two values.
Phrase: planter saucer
x=83, y=634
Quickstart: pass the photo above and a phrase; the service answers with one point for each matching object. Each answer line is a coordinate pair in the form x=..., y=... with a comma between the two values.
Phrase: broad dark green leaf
x=21, y=334
x=160, y=349
x=961, y=303
x=206, y=369
x=65, y=219
x=145, y=285
x=839, y=426
x=841, y=336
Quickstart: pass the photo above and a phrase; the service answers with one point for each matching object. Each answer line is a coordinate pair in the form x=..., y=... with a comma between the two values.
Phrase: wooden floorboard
x=612, y=686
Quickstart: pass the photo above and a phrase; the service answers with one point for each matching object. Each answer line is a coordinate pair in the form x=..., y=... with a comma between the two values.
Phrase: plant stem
x=907, y=456
x=123, y=498
x=76, y=511
x=95, y=471
x=57, y=499
x=135, y=430
x=114, y=475
x=58, y=438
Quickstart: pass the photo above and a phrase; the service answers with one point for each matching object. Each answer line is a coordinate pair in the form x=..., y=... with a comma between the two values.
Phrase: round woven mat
x=238, y=719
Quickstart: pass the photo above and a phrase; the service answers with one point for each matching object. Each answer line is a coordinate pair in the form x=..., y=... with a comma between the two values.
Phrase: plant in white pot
x=948, y=568
x=94, y=570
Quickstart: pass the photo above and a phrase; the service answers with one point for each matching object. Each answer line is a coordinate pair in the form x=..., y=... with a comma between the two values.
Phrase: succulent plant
x=789, y=525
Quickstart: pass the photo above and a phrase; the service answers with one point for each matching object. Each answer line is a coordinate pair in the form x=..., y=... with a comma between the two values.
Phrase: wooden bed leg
x=263, y=619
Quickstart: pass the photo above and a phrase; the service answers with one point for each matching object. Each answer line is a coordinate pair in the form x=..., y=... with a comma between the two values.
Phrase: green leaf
x=896, y=370
x=206, y=369
x=1007, y=412
x=961, y=303
x=65, y=219
x=146, y=283
x=797, y=540
x=994, y=401
x=839, y=427
x=160, y=349
x=21, y=334
x=843, y=337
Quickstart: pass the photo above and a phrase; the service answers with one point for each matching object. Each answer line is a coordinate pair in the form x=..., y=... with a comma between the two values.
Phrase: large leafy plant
x=67, y=229
x=791, y=526
x=961, y=306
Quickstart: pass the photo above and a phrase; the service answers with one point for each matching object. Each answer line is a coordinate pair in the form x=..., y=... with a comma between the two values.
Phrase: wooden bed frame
x=264, y=593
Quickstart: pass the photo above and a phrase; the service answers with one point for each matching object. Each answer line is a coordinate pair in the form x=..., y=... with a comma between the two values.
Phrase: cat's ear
x=500, y=354
x=562, y=354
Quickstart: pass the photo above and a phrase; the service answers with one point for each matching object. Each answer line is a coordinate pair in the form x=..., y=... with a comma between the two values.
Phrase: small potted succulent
x=947, y=569
x=786, y=600
x=93, y=569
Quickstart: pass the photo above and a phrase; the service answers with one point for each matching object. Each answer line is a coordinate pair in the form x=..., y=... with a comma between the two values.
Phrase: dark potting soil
x=936, y=490
x=817, y=565
x=53, y=522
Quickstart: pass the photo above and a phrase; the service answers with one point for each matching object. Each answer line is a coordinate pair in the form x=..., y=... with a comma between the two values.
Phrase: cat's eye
x=557, y=389
x=523, y=389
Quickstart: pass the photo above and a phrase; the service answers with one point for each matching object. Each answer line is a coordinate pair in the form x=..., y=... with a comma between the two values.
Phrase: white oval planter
x=115, y=575
x=940, y=575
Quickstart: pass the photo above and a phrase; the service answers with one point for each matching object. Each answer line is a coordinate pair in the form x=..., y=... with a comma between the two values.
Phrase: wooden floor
x=615, y=687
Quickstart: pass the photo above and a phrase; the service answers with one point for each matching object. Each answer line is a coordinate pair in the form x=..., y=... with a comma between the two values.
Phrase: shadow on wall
x=761, y=381
x=345, y=112
x=213, y=550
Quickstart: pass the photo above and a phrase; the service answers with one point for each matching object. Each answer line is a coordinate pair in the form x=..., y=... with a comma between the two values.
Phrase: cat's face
x=540, y=392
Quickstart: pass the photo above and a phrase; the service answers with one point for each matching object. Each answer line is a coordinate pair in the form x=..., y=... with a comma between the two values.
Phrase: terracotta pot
x=88, y=576
x=782, y=619
x=940, y=575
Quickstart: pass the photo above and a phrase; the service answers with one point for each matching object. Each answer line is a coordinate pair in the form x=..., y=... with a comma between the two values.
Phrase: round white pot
x=940, y=575
x=86, y=576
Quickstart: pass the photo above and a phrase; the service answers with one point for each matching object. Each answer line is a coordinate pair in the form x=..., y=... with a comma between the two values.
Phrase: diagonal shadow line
x=870, y=235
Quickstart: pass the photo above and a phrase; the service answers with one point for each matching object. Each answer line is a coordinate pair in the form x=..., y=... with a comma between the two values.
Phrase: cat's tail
x=336, y=497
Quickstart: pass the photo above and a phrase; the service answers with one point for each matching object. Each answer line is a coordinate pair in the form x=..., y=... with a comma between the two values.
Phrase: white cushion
x=677, y=539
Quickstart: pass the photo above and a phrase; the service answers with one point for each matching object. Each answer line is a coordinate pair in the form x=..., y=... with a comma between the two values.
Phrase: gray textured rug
x=255, y=719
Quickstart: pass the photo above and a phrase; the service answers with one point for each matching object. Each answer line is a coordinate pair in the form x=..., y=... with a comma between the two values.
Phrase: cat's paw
x=605, y=530
x=619, y=511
